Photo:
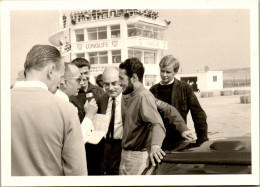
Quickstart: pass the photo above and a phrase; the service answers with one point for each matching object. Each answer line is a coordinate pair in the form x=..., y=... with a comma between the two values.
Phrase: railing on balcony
x=88, y=15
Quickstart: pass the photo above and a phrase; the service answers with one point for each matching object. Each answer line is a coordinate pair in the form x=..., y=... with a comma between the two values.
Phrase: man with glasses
x=70, y=86
x=87, y=92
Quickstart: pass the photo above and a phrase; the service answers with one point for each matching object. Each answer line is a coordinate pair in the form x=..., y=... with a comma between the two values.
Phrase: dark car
x=223, y=156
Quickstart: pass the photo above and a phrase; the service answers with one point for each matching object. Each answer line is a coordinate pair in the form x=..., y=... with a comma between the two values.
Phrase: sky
x=217, y=38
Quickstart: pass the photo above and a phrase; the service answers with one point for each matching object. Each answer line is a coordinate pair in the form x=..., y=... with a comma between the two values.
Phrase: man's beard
x=129, y=89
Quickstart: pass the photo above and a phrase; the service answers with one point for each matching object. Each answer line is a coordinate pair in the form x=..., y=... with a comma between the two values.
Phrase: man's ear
x=134, y=78
x=63, y=83
x=51, y=68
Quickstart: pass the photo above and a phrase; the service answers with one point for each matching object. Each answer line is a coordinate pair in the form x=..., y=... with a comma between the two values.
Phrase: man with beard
x=143, y=127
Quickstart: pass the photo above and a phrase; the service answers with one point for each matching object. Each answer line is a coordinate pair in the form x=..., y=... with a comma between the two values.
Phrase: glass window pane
x=139, y=26
x=137, y=52
x=115, y=27
x=130, y=52
x=92, y=54
x=102, y=28
x=116, y=52
x=93, y=60
x=131, y=32
x=102, y=35
x=116, y=59
x=148, y=27
x=80, y=37
x=81, y=31
x=102, y=53
x=130, y=25
x=149, y=57
x=92, y=29
x=92, y=36
x=103, y=60
x=115, y=34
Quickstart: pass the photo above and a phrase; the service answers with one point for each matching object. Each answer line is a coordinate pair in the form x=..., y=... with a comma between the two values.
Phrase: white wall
x=206, y=79
x=211, y=85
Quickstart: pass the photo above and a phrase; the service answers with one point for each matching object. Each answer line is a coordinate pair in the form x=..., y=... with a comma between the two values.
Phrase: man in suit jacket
x=180, y=95
x=112, y=150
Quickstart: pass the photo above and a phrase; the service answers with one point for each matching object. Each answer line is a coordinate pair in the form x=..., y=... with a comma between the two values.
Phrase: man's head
x=43, y=63
x=131, y=72
x=99, y=81
x=72, y=80
x=110, y=79
x=169, y=67
x=84, y=68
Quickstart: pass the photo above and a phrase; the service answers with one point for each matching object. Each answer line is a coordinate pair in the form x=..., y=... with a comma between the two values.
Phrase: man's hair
x=133, y=65
x=81, y=62
x=169, y=60
x=69, y=70
x=40, y=56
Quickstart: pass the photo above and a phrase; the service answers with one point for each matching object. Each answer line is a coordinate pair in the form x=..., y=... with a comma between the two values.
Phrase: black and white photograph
x=113, y=94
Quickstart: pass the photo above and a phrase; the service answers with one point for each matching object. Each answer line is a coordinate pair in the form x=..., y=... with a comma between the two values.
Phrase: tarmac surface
x=226, y=116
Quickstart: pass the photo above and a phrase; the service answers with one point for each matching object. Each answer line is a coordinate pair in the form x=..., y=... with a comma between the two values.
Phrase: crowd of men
x=54, y=107
x=87, y=15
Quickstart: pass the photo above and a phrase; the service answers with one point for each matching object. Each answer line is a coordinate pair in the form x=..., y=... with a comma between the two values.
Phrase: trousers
x=133, y=162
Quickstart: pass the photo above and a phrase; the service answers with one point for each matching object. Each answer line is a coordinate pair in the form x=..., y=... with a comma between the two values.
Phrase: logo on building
x=79, y=46
x=114, y=43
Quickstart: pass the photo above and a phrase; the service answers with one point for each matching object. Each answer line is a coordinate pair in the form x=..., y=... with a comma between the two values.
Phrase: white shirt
x=168, y=82
x=62, y=95
x=30, y=84
x=87, y=127
x=118, y=126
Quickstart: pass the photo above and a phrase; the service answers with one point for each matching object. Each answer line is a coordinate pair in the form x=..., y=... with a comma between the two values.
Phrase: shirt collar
x=29, y=84
x=168, y=82
x=118, y=98
x=62, y=95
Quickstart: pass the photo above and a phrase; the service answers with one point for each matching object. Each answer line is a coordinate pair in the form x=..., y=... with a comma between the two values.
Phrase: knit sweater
x=143, y=125
x=46, y=136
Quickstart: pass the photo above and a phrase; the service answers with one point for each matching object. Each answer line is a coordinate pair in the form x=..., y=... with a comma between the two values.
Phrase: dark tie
x=112, y=121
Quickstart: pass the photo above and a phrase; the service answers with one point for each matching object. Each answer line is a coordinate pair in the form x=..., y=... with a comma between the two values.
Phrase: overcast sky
x=218, y=38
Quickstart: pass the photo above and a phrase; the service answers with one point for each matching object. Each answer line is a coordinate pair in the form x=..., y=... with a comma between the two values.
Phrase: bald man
x=71, y=82
x=70, y=86
x=112, y=146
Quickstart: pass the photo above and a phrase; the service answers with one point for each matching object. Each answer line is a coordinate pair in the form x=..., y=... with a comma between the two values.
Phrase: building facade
x=108, y=37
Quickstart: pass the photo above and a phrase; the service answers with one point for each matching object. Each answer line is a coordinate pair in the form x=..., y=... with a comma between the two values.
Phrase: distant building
x=109, y=36
x=203, y=81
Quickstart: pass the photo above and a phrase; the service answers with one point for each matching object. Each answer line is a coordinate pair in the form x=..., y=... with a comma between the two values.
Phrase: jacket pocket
x=183, y=105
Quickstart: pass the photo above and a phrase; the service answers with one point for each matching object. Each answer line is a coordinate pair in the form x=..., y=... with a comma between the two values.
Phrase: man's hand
x=90, y=108
x=187, y=135
x=157, y=153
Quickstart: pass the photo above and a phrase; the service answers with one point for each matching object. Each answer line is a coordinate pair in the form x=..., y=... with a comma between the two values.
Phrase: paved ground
x=226, y=116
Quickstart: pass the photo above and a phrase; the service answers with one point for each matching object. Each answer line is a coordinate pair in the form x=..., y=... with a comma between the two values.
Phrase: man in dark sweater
x=180, y=95
x=86, y=93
